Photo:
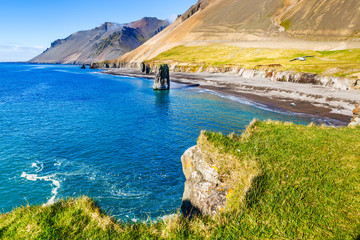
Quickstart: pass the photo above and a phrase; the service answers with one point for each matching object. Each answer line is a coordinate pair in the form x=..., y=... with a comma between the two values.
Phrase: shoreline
x=314, y=100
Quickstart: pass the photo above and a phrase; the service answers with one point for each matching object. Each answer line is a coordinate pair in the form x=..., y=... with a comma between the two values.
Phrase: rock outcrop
x=145, y=68
x=162, y=78
x=204, y=194
x=355, y=121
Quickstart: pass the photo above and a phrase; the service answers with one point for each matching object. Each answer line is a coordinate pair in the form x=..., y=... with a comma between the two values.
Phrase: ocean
x=67, y=132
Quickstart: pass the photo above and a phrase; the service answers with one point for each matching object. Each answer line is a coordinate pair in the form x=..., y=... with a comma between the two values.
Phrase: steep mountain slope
x=109, y=41
x=291, y=24
x=330, y=19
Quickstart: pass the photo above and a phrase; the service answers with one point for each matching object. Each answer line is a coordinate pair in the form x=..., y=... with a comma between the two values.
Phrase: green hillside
x=343, y=63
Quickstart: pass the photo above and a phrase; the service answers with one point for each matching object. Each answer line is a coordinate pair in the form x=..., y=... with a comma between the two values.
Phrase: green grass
x=286, y=24
x=342, y=63
x=301, y=182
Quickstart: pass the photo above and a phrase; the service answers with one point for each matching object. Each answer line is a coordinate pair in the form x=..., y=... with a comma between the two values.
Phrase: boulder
x=162, y=78
x=357, y=84
x=94, y=65
x=355, y=121
x=204, y=194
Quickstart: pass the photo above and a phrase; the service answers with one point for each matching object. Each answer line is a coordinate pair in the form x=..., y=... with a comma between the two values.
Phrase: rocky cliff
x=106, y=42
x=216, y=179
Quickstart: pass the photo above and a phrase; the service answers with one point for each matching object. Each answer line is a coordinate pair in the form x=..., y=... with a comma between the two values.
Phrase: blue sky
x=29, y=26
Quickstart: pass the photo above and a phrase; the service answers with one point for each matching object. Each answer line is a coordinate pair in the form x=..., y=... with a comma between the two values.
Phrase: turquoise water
x=66, y=132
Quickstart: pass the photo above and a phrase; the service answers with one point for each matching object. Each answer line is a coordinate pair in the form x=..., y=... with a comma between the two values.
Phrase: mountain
x=109, y=41
x=290, y=24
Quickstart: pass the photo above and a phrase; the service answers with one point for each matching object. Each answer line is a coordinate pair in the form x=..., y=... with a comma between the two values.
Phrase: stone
x=355, y=121
x=203, y=194
x=357, y=84
x=94, y=66
x=162, y=78
x=356, y=110
x=83, y=66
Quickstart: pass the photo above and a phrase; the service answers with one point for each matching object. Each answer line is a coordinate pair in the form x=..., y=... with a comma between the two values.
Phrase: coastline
x=323, y=102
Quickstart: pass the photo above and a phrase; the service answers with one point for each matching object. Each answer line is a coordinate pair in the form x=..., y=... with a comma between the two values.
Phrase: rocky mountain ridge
x=106, y=42
x=289, y=24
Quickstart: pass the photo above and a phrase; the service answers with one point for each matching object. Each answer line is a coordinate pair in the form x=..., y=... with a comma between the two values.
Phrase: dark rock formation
x=355, y=121
x=357, y=84
x=204, y=194
x=94, y=66
x=143, y=67
x=162, y=79
x=200, y=5
x=83, y=66
x=148, y=70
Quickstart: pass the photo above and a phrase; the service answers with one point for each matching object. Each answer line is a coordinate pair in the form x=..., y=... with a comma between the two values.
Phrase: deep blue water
x=69, y=132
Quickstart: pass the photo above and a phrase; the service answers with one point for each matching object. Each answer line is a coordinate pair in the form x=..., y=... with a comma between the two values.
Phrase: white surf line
x=54, y=191
x=251, y=103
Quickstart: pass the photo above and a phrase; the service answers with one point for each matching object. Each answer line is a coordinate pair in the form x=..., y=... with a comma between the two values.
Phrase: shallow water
x=66, y=132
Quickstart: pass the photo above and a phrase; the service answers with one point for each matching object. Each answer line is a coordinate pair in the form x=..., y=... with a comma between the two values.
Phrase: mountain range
x=289, y=24
x=106, y=42
x=283, y=24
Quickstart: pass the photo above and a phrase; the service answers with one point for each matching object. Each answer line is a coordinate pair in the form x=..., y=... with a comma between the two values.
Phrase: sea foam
x=50, y=178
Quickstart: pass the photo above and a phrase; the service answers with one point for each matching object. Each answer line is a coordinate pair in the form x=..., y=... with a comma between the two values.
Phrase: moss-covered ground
x=341, y=63
x=305, y=184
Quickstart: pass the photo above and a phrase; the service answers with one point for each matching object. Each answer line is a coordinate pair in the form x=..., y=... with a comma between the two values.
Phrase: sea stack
x=162, y=78
x=83, y=66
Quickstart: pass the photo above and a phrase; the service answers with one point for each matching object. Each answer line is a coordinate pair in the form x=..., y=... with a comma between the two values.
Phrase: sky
x=27, y=27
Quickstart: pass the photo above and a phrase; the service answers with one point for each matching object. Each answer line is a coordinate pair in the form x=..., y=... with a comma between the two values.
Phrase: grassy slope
x=338, y=63
x=305, y=186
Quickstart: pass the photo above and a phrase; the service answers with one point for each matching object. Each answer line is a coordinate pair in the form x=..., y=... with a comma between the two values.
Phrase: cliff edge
x=281, y=181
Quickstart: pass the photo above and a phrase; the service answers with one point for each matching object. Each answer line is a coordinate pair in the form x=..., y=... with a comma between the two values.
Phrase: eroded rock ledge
x=218, y=179
x=204, y=193
x=269, y=72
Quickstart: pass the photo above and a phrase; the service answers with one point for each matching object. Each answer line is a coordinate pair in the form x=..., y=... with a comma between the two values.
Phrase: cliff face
x=291, y=24
x=109, y=41
x=203, y=193
x=216, y=180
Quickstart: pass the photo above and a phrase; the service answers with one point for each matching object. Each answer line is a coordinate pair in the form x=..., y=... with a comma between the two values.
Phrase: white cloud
x=14, y=53
x=172, y=18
